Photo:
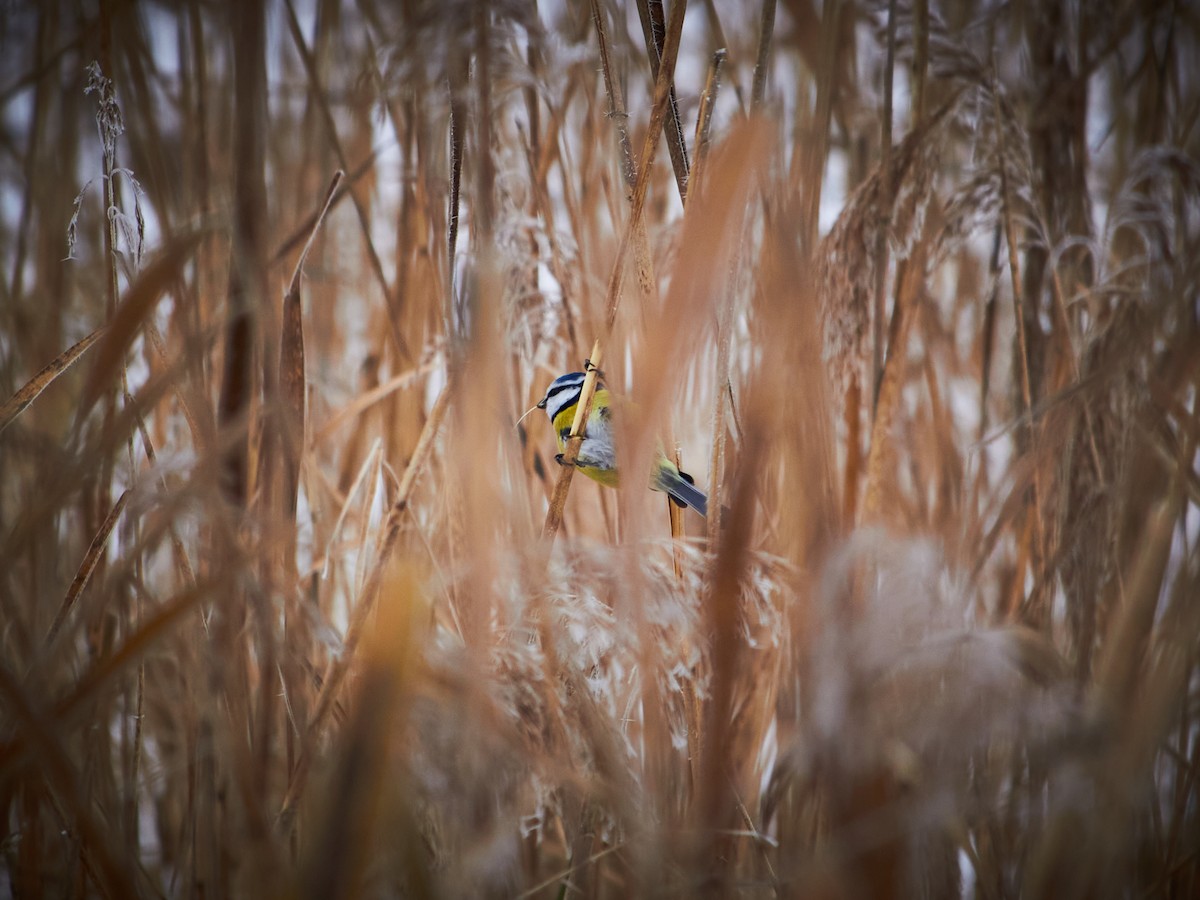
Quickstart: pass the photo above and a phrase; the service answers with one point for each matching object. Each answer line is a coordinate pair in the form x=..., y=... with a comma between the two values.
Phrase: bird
x=597, y=455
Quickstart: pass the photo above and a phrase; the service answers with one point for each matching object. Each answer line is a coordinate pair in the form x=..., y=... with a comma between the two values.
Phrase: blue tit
x=597, y=456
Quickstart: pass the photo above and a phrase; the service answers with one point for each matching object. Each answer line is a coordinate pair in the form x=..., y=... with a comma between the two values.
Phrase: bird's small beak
x=541, y=404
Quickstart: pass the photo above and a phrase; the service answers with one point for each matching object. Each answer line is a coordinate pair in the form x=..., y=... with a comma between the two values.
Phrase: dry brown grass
x=290, y=608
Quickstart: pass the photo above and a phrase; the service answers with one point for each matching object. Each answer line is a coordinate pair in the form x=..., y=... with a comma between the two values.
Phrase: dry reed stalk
x=86, y=567
x=716, y=802
x=812, y=173
x=637, y=204
x=292, y=366
x=1038, y=548
x=301, y=233
x=29, y=392
x=910, y=275
x=920, y=62
x=712, y=231
x=642, y=259
x=766, y=28
x=365, y=399
x=360, y=208
x=183, y=563
x=247, y=288
x=653, y=26
x=879, y=307
x=704, y=116
x=85, y=691
x=726, y=310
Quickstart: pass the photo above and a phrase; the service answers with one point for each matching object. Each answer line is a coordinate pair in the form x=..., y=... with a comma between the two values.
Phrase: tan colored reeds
x=278, y=613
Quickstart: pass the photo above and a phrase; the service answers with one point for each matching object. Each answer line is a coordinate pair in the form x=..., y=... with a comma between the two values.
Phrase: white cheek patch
x=561, y=402
x=563, y=393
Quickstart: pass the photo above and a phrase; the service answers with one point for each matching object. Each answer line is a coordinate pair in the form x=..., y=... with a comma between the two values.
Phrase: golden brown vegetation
x=290, y=607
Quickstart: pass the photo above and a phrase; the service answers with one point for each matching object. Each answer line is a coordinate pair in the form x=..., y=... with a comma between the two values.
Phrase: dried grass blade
x=86, y=567
x=291, y=366
x=364, y=401
x=708, y=101
x=306, y=228
x=370, y=464
x=16, y=404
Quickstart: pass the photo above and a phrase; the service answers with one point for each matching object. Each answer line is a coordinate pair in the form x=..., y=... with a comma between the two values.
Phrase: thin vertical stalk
x=247, y=285
x=658, y=112
x=1014, y=268
x=650, y=12
x=766, y=28
x=818, y=143
x=920, y=64
x=885, y=213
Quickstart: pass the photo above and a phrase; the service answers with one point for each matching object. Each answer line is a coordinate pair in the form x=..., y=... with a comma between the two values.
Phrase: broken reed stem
x=658, y=111
x=305, y=228
x=331, y=194
x=558, y=499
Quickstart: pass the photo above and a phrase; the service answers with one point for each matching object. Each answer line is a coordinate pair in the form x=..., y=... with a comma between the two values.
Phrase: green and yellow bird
x=597, y=455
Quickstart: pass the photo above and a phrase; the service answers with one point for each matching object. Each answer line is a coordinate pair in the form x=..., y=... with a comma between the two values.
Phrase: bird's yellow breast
x=597, y=441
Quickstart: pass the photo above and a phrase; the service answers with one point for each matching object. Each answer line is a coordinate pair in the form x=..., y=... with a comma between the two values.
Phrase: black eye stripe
x=555, y=391
x=574, y=381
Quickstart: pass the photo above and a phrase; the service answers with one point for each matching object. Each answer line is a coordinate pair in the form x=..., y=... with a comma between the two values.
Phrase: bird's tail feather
x=682, y=489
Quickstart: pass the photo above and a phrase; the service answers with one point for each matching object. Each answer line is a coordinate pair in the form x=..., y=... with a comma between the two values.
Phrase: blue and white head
x=562, y=394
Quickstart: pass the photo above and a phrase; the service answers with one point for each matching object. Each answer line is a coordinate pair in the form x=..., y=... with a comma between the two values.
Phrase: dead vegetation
x=289, y=606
